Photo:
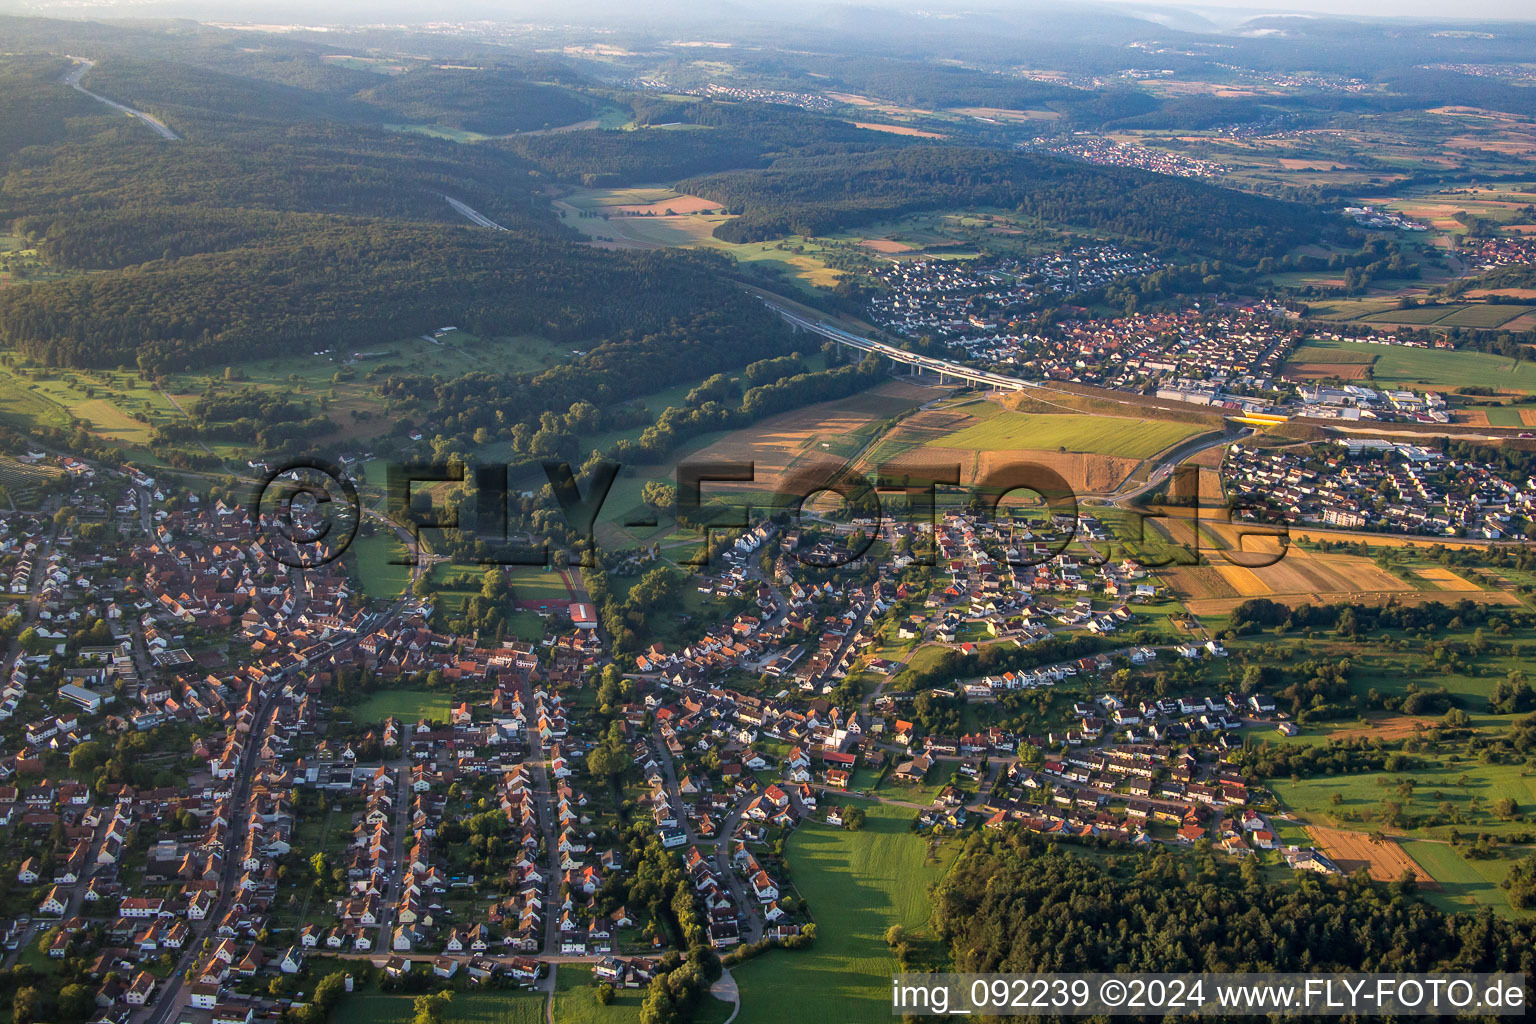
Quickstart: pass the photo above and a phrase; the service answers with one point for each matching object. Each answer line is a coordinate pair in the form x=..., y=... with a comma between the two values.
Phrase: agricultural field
x=835, y=432
x=1388, y=147
x=1481, y=315
x=1299, y=576
x=1322, y=358
x=406, y=705
x=981, y=436
x=1439, y=209
x=23, y=481
x=1394, y=366
x=1384, y=858
x=114, y=405
x=1439, y=368
x=1468, y=787
x=1093, y=435
x=857, y=884
x=657, y=217
x=21, y=264
x=121, y=407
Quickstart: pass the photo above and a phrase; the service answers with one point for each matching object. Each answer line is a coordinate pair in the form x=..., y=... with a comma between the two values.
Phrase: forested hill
x=1013, y=903
x=250, y=145
x=493, y=101
x=35, y=110
x=353, y=283
x=729, y=136
x=813, y=195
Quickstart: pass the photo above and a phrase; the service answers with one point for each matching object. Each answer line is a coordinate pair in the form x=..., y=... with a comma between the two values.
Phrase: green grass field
x=1442, y=368
x=1484, y=315
x=1096, y=435
x=1457, y=784
x=1326, y=350
x=531, y=583
x=1464, y=883
x=576, y=1000
x=857, y=884
x=1504, y=416
x=1399, y=365
x=380, y=577
x=406, y=705
x=1421, y=315
x=505, y=1006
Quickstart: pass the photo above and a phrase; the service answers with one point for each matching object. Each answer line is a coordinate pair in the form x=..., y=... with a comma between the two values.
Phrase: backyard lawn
x=406, y=705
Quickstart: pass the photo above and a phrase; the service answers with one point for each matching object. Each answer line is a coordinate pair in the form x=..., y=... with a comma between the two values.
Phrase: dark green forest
x=1014, y=903
x=352, y=283
x=492, y=101
x=812, y=195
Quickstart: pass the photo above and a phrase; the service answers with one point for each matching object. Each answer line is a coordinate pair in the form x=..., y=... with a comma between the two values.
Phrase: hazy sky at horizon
x=1436, y=10
x=1225, y=13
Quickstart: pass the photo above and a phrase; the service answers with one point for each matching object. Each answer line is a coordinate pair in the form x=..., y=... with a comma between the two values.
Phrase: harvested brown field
x=1224, y=606
x=885, y=245
x=1514, y=293
x=1296, y=164
x=1518, y=145
x=1528, y=417
x=1000, y=114
x=898, y=129
x=1444, y=579
x=1208, y=459
x=678, y=205
x=1385, y=726
x=1084, y=473
x=829, y=431
x=1319, y=371
x=1471, y=417
x=1298, y=577
x=1245, y=581
x=1384, y=540
x=1352, y=851
x=1199, y=584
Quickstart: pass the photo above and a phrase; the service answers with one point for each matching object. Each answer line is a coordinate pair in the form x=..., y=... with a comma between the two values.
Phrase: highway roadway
x=472, y=215
x=72, y=79
x=943, y=367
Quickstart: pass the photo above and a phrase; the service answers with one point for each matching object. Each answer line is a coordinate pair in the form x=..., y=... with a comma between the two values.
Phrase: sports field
x=857, y=884
x=406, y=705
x=1093, y=435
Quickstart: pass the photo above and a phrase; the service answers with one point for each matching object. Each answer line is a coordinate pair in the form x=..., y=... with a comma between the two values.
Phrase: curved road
x=72, y=79
x=1171, y=461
